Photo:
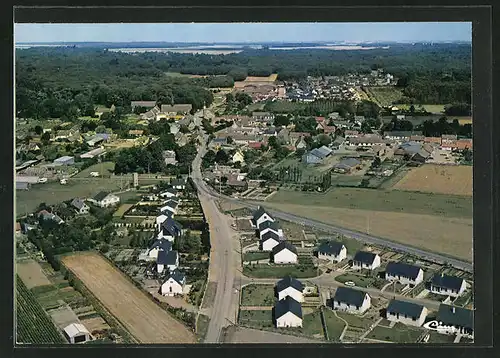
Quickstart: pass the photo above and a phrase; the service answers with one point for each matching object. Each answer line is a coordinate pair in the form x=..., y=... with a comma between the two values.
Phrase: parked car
x=42, y=180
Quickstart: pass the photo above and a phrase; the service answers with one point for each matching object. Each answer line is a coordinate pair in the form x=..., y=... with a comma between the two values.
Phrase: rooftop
x=288, y=305
x=349, y=296
x=402, y=269
x=405, y=308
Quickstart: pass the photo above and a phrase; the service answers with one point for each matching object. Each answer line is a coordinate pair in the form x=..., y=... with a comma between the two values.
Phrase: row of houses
x=446, y=141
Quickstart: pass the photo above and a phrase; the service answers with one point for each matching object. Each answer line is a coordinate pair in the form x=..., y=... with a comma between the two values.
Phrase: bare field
x=451, y=236
x=32, y=274
x=455, y=180
x=145, y=320
x=248, y=335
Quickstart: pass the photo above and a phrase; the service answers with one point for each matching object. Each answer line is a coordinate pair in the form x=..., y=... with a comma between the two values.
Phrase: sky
x=245, y=32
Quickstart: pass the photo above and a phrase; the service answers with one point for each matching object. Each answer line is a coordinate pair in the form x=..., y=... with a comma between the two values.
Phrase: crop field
x=384, y=96
x=145, y=320
x=32, y=274
x=33, y=324
x=454, y=180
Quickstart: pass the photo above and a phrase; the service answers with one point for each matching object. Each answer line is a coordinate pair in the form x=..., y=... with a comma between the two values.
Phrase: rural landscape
x=243, y=192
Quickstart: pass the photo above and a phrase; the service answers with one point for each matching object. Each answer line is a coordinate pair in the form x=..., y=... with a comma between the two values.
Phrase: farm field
x=449, y=236
x=384, y=96
x=257, y=295
x=31, y=273
x=141, y=317
x=454, y=180
x=33, y=326
x=380, y=200
x=122, y=210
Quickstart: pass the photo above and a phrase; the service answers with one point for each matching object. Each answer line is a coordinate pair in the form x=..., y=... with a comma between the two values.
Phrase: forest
x=71, y=81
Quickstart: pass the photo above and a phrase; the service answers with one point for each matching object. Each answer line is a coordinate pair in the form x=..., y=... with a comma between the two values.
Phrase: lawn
x=202, y=326
x=311, y=325
x=257, y=295
x=355, y=320
x=255, y=256
x=334, y=325
x=122, y=210
x=271, y=271
x=360, y=281
x=257, y=319
x=105, y=169
x=398, y=334
x=440, y=338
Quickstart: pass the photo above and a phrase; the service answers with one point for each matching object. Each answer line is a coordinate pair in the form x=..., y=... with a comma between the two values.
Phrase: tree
x=221, y=157
x=376, y=162
x=273, y=142
x=38, y=129
x=365, y=127
x=229, y=140
x=45, y=138
x=324, y=139
x=281, y=121
x=224, y=180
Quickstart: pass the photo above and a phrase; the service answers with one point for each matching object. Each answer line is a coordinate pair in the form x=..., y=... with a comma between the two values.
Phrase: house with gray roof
x=456, y=320
x=80, y=206
x=350, y=300
x=317, y=155
x=289, y=286
x=170, y=229
x=365, y=260
x=173, y=284
x=408, y=313
x=332, y=251
x=104, y=199
x=404, y=273
x=176, y=108
x=168, y=260
x=346, y=165
x=288, y=313
x=448, y=285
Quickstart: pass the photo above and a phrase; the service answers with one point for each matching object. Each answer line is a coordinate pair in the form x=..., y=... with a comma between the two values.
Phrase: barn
x=77, y=333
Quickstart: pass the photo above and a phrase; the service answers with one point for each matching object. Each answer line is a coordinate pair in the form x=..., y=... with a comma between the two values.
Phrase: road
x=225, y=258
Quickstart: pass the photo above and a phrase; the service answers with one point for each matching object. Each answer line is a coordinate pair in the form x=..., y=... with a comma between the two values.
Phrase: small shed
x=65, y=160
x=77, y=333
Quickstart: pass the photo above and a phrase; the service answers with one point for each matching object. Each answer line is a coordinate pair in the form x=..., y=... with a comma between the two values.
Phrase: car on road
x=349, y=283
x=42, y=180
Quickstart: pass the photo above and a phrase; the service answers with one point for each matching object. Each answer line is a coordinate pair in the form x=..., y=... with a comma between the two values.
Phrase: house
x=161, y=218
x=77, y=333
x=270, y=132
x=179, y=184
x=95, y=140
x=267, y=226
x=217, y=143
x=145, y=104
x=174, y=128
x=290, y=287
x=170, y=229
x=415, y=151
x=80, y=206
x=157, y=246
x=269, y=240
x=283, y=136
x=65, y=160
x=93, y=153
x=332, y=251
x=448, y=285
x=284, y=253
x=238, y=157
x=169, y=193
x=456, y=319
x=317, y=155
x=104, y=199
x=174, y=284
x=379, y=150
x=408, y=313
x=288, y=313
x=45, y=215
x=152, y=114
x=405, y=274
x=347, y=165
x=168, y=260
x=262, y=116
x=135, y=132
x=351, y=300
x=365, y=260
x=169, y=206
x=348, y=133
x=300, y=143
x=366, y=141
x=255, y=145
x=259, y=216
x=176, y=108
x=398, y=135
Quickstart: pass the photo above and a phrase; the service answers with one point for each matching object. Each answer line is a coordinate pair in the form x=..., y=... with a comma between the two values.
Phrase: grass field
x=257, y=295
x=355, y=321
x=33, y=326
x=453, y=180
x=440, y=338
x=105, y=169
x=255, y=256
x=142, y=317
x=257, y=319
x=431, y=108
x=398, y=334
x=384, y=96
x=334, y=325
x=265, y=271
x=122, y=210
x=311, y=325
x=31, y=273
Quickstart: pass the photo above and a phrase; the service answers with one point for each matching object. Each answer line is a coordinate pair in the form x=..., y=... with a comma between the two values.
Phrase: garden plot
x=63, y=316
x=124, y=255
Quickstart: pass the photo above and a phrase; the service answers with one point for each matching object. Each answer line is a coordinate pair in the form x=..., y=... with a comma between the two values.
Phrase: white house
x=238, y=157
x=269, y=240
x=169, y=206
x=170, y=230
x=448, y=285
x=365, y=260
x=267, y=226
x=167, y=260
x=404, y=273
x=80, y=206
x=351, y=300
x=179, y=184
x=290, y=286
x=161, y=219
x=407, y=313
x=157, y=246
x=77, y=333
x=456, y=320
x=169, y=193
x=288, y=313
x=259, y=216
x=284, y=253
x=104, y=199
x=174, y=284
x=332, y=251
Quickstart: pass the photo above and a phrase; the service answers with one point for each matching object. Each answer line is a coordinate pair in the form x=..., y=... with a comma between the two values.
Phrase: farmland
x=431, y=108
x=454, y=180
x=133, y=308
x=31, y=273
x=33, y=324
x=384, y=96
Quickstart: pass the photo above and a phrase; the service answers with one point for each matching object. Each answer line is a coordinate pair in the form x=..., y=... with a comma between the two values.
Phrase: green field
x=202, y=326
x=360, y=281
x=398, y=334
x=105, y=169
x=257, y=295
x=355, y=320
x=257, y=319
x=381, y=200
x=334, y=325
x=384, y=96
x=255, y=256
x=265, y=271
x=311, y=325
x=431, y=108
x=33, y=324
x=440, y=338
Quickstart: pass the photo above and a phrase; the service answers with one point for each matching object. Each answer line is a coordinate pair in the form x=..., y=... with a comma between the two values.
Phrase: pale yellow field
x=443, y=179
x=31, y=273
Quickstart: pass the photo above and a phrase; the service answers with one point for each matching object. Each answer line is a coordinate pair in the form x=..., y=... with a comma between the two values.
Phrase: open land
x=454, y=180
x=138, y=313
x=384, y=96
x=31, y=273
x=248, y=335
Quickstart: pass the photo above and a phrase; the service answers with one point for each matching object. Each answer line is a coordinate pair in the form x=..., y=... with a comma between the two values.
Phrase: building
x=456, y=320
x=161, y=219
x=448, y=285
x=259, y=216
x=77, y=333
x=262, y=116
x=157, y=246
x=65, y=160
x=332, y=251
x=167, y=260
x=46, y=216
x=152, y=114
x=174, y=284
x=104, y=199
x=407, y=313
x=238, y=157
x=290, y=287
x=170, y=229
x=23, y=185
x=169, y=193
x=300, y=143
x=270, y=226
x=176, y=108
x=169, y=157
x=169, y=206
x=347, y=165
x=269, y=240
x=145, y=104
x=284, y=253
x=317, y=155
x=351, y=300
x=288, y=313
x=80, y=206
x=415, y=151
x=365, y=260
x=179, y=184
x=366, y=141
x=404, y=273
x=93, y=153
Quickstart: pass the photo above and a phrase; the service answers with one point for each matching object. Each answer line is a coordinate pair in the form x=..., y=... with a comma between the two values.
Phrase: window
x=170, y=288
